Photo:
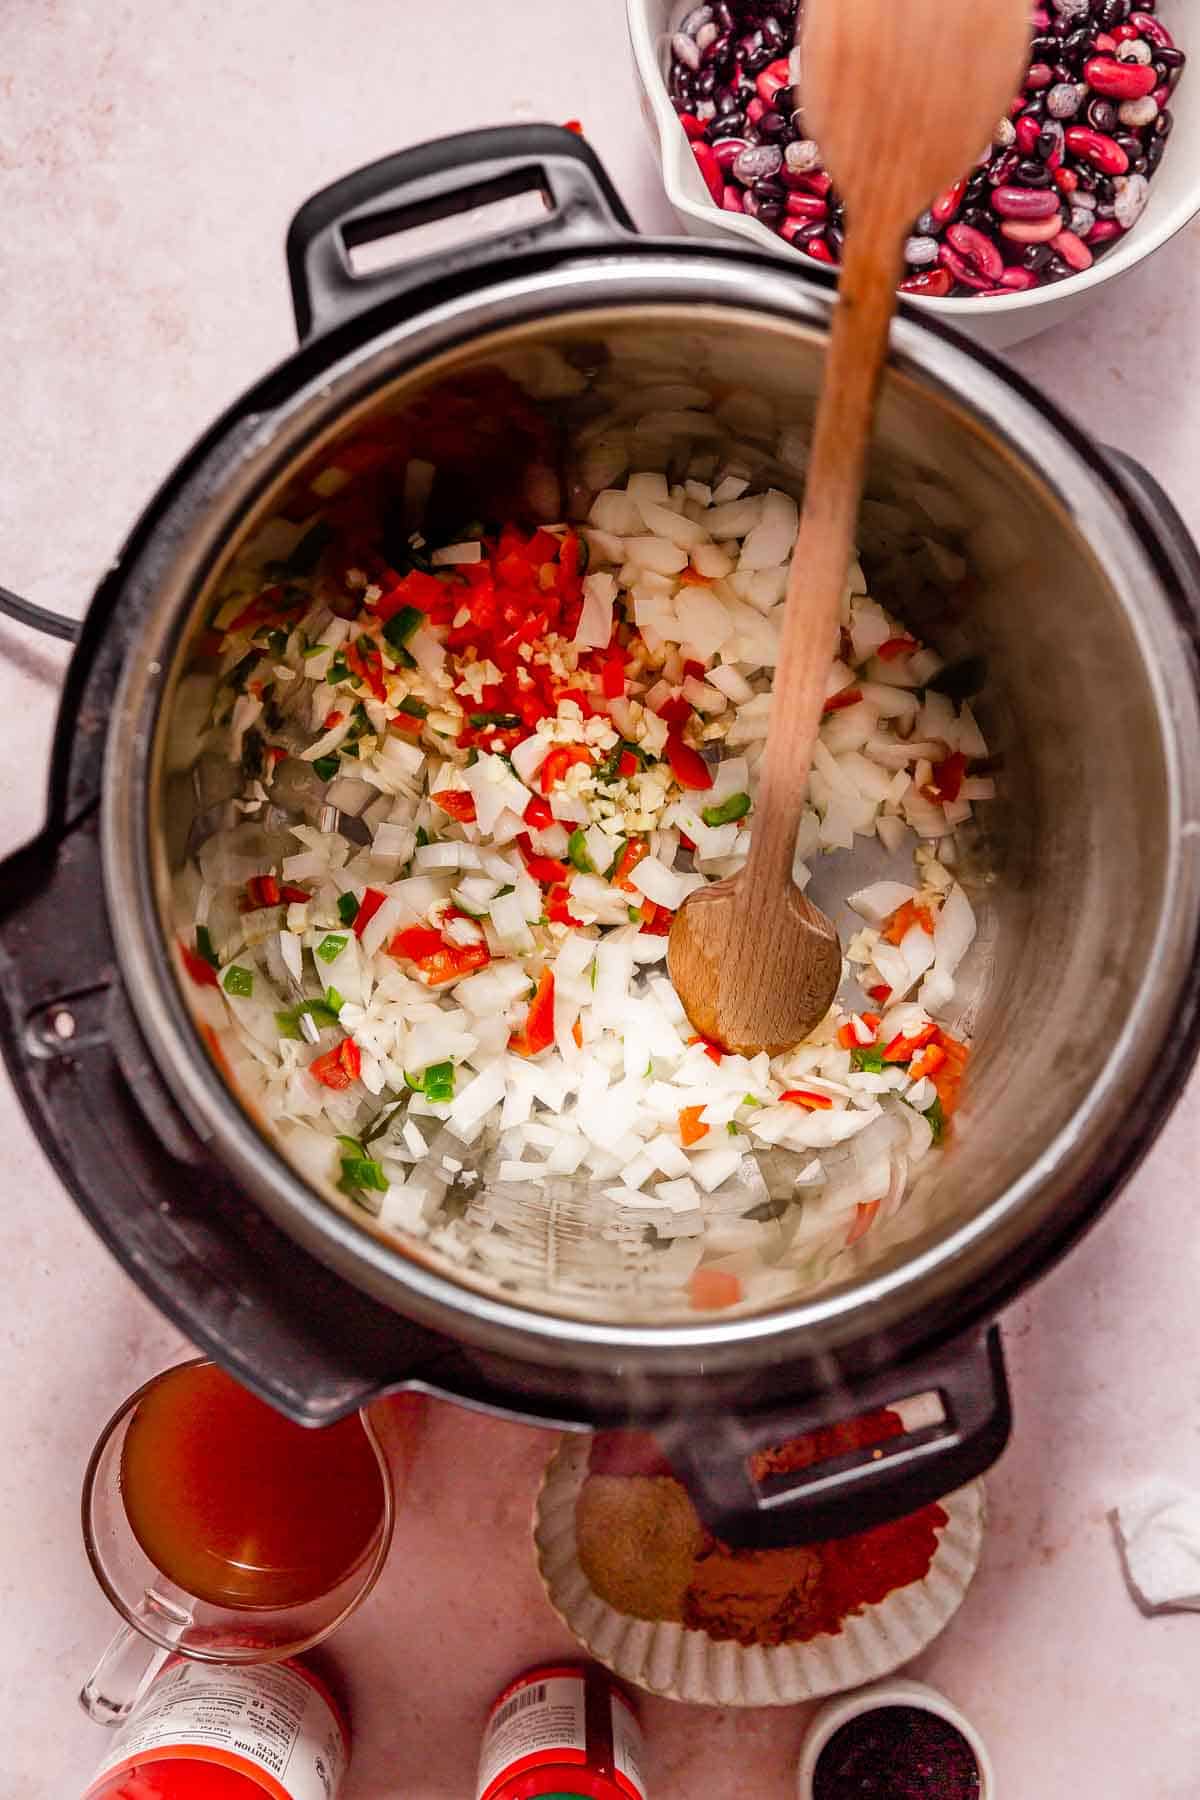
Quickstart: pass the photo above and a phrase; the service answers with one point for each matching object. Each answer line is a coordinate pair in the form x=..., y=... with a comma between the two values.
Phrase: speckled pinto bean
x=1066, y=175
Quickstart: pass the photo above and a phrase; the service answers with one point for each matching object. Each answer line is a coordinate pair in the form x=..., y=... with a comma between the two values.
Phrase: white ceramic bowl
x=836, y=1713
x=1174, y=190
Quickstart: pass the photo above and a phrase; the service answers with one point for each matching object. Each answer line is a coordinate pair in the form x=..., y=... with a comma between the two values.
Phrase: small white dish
x=682, y=1664
x=1174, y=191
x=837, y=1713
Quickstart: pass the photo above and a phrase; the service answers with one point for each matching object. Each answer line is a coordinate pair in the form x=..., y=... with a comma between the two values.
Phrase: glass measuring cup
x=186, y=1609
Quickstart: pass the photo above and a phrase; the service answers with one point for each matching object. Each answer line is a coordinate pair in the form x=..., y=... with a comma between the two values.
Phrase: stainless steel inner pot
x=1089, y=892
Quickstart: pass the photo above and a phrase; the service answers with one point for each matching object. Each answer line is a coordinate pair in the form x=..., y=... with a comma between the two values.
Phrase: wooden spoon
x=902, y=96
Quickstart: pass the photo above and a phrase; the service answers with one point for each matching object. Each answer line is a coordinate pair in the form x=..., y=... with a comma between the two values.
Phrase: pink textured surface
x=149, y=160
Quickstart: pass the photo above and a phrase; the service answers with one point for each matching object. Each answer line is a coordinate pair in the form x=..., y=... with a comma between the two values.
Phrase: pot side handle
x=864, y=1487
x=437, y=181
x=307, y=1342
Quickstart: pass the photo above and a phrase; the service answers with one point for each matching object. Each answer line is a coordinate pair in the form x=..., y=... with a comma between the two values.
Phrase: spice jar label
x=533, y=1722
x=270, y=1723
x=627, y=1748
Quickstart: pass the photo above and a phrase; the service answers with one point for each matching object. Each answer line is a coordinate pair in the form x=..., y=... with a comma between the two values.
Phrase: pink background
x=150, y=158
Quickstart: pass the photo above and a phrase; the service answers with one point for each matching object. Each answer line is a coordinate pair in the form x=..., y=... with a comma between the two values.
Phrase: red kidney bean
x=727, y=150
x=1104, y=231
x=731, y=199
x=1066, y=180
x=1028, y=132
x=710, y=168
x=755, y=111
x=776, y=75
x=1104, y=153
x=1162, y=95
x=1119, y=80
x=1145, y=25
x=694, y=127
x=1124, y=34
x=935, y=284
x=1025, y=203
x=818, y=184
x=948, y=203
x=1032, y=231
x=1018, y=281
x=820, y=249
x=977, y=250
x=1040, y=76
x=807, y=206
x=1105, y=44
x=1073, y=250
x=961, y=269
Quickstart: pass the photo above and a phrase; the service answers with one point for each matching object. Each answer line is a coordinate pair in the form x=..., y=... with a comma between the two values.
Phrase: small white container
x=897, y=1692
x=1174, y=190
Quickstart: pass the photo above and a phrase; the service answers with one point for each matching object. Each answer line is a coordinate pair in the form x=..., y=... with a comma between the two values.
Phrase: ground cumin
x=644, y=1550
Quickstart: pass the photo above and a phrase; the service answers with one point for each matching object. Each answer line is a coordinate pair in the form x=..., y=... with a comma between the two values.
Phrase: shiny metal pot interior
x=1089, y=892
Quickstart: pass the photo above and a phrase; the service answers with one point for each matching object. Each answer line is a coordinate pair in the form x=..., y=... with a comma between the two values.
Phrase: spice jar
x=566, y=1730
x=207, y=1731
x=899, y=1740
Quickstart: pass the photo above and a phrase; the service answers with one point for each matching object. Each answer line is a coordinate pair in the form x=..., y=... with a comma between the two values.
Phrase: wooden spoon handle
x=858, y=349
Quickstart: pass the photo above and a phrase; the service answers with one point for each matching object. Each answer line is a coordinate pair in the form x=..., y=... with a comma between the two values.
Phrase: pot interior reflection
x=959, y=537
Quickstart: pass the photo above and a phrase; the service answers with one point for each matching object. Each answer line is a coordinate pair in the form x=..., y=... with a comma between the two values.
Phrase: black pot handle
x=435, y=181
x=866, y=1487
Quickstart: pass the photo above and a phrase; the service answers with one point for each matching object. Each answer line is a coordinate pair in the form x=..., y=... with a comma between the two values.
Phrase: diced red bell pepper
x=880, y=992
x=711, y=1289
x=612, y=678
x=406, y=725
x=560, y=759
x=263, y=890
x=676, y=711
x=947, y=1078
x=693, y=670
x=545, y=869
x=269, y=608
x=417, y=589
x=334, y=717
x=368, y=906
x=538, y=813
x=811, y=1102
x=197, y=966
x=416, y=942
x=537, y=1034
x=903, y=920
x=687, y=765
x=691, y=1126
x=368, y=667
x=864, y=1218
x=902, y=1049
x=713, y=1052
x=558, y=906
x=848, y=696
x=627, y=764
x=453, y=961
x=339, y=1066
x=294, y=896
x=458, y=803
x=895, y=648
x=930, y=1060
x=635, y=851
x=945, y=783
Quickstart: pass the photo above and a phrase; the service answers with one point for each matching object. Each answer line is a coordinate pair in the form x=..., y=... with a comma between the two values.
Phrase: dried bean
x=1032, y=231
x=919, y=251
x=1025, y=203
x=1138, y=113
x=1073, y=250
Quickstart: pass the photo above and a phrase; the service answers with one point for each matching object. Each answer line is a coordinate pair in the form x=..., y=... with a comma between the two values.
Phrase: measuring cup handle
x=127, y=1668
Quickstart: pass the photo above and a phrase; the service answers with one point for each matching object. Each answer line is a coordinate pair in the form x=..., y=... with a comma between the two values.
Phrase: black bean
x=1077, y=45
x=1102, y=115
x=1164, y=124
x=1035, y=106
x=704, y=85
x=979, y=218
x=1051, y=140
x=1003, y=168
x=726, y=103
x=1168, y=58
x=769, y=187
x=771, y=212
x=1110, y=13
x=1036, y=257
x=836, y=239
x=1044, y=49
x=773, y=32
x=1034, y=174
x=1057, y=269
x=1131, y=145
x=1154, y=153
x=771, y=127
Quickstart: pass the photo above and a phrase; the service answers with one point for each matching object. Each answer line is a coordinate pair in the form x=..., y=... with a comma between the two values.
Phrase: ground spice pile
x=644, y=1550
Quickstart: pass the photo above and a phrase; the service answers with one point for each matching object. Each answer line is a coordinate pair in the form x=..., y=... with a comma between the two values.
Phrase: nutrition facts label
x=542, y=1722
x=268, y=1722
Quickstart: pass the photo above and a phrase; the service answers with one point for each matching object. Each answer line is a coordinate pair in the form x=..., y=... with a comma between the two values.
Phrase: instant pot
x=1077, y=585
